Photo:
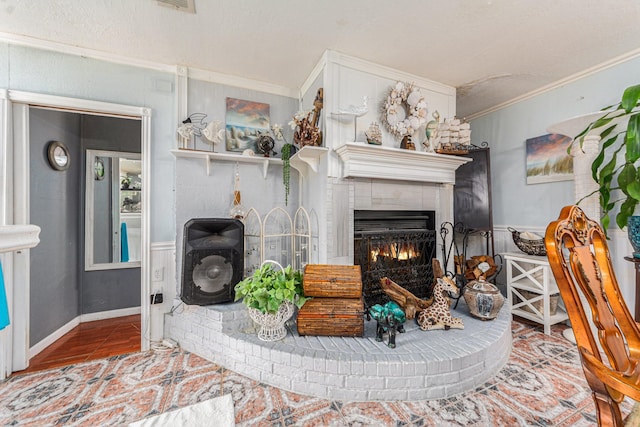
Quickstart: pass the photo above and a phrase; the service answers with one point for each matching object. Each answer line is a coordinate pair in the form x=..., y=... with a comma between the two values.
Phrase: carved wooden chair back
x=581, y=264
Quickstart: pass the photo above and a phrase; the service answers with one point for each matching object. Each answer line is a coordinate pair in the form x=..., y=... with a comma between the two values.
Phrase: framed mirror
x=113, y=213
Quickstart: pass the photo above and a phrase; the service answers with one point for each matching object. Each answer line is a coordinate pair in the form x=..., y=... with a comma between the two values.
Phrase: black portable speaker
x=213, y=260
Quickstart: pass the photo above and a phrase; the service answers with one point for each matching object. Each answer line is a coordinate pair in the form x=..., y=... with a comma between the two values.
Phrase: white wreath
x=404, y=98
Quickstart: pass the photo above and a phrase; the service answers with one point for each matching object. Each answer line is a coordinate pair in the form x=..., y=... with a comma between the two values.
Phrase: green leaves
x=628, y=175
x=630, y=98
x=268, y=288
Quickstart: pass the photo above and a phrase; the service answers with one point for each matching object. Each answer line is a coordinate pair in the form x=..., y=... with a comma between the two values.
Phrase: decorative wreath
x=405, y=110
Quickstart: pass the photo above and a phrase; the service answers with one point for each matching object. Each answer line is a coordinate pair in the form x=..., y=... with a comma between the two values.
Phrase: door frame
x=14, y=206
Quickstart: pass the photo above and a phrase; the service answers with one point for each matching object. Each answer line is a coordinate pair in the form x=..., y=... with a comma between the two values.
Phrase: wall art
x=548, y=160
x=245, y=121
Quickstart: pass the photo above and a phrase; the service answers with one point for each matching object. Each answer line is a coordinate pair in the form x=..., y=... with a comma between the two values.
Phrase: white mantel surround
x=371, y=177
x=379, y=162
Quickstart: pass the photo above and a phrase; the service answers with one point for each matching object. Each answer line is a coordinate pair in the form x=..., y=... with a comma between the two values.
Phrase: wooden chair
x=580, y=261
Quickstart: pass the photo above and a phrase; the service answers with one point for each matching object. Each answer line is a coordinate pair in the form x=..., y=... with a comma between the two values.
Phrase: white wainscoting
x=619, y=247
x=164, y=280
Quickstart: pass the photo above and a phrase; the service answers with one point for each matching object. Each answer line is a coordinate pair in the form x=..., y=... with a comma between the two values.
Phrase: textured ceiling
x=492, y=50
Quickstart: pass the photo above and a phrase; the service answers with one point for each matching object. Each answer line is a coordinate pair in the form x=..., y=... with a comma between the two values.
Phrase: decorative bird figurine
x=356, y=110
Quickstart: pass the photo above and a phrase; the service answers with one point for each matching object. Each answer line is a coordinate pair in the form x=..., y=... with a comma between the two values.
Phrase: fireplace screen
x=395, y=244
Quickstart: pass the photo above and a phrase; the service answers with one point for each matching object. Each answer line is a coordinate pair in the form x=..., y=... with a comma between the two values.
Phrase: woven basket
x=530, y=247
x=553, y=302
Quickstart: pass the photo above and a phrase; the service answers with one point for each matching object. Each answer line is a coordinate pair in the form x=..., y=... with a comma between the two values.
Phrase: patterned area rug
x=541, y=385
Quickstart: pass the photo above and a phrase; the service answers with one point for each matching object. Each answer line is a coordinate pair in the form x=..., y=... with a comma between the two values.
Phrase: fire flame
x=400, y=252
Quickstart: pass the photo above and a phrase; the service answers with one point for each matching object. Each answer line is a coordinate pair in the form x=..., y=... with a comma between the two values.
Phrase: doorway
x=28, y=108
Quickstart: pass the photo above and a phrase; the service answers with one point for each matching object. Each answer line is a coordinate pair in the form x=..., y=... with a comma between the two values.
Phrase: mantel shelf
x=17, y=237
x=210, y=157
x=379, y=162
x=308, y=157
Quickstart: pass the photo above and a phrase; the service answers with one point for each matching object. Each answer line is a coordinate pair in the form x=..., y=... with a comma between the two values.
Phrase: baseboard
x=101, y=315
x=56, y=335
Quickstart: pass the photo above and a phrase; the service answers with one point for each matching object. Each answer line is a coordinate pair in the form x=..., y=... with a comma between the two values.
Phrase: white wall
x=532, y=207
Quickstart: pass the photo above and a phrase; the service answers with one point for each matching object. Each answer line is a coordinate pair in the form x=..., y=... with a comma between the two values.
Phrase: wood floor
x=90, y=341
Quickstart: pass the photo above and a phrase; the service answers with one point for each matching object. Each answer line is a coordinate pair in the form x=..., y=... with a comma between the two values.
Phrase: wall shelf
x=17, y=237
x=210, y=157
x=308, y=157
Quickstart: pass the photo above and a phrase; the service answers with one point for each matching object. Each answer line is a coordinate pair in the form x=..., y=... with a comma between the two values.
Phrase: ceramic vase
x=633, y=231
x=484, y=299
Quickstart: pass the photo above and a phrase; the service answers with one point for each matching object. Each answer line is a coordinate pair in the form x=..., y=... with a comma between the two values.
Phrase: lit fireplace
x=395, y=244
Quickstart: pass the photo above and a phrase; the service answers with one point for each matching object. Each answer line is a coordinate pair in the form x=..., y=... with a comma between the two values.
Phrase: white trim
x=77, y=104
x=110, y=314
x=163, y=246
x=90, y=317
x=317, y=70
x=388, y=72
x=559, y=83
x=242, y=82
x=21, y=207
x=16, y=237
x=53, y=337
x=81, y=51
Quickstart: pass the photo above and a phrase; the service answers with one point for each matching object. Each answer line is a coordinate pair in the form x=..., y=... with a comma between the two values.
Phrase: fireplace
x=395, y=244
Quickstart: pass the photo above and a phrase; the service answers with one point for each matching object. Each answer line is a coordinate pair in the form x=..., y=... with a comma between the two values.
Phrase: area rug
x=212, y=412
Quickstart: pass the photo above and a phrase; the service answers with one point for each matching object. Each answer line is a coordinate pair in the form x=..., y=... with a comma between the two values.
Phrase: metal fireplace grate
x=396, y=246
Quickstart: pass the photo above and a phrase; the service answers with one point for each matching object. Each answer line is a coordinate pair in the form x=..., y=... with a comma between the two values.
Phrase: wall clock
x=58, y=155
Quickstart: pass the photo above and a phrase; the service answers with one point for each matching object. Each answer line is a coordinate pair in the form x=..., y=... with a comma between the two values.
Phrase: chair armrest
x=617, y=380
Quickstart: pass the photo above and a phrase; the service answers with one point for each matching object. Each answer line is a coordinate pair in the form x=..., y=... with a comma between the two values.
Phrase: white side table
x=532, y=274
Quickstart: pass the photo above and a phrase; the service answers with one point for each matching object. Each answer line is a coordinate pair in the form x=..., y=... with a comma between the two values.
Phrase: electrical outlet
x=158, y=274
x=157, y=298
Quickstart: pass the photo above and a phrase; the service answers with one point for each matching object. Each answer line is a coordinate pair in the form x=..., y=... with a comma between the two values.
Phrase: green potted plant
x=270, y=295
x=620, y=122
x=287, y=151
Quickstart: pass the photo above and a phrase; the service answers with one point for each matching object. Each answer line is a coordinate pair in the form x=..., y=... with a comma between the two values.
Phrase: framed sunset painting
x=548, y=160
x=245, y=120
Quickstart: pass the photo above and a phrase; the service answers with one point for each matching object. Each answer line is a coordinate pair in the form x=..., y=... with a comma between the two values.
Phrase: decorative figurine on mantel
x=431, y=132
x=407, y=143
x=373, y=134
x=455, y=137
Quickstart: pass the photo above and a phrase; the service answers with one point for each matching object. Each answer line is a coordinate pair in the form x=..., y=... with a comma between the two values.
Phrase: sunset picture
x=245, y=121
x=547, y=159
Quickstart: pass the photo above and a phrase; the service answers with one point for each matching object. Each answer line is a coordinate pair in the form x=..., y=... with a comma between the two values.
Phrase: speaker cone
x=213, y=274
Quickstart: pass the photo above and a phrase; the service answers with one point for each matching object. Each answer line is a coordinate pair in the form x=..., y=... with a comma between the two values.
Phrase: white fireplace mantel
x=378, y=162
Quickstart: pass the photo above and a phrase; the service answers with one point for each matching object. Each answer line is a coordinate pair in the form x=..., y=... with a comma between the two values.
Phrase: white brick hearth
x=424, y=365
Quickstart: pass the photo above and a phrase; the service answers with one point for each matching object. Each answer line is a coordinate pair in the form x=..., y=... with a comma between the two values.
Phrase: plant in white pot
x=270, y=295
x=619, y=129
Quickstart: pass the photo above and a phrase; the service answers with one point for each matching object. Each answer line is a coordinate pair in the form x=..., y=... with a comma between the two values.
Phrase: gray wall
x=55, y=198
x=60, y=288
x=105, y=290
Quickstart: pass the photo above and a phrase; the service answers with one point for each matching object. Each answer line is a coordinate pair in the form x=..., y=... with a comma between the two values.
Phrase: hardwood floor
x=90, y=341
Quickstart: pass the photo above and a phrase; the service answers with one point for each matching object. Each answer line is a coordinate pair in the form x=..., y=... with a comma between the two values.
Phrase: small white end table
x=532, y=274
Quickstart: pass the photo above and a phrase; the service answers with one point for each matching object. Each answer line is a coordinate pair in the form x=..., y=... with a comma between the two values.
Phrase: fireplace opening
x=395, y=244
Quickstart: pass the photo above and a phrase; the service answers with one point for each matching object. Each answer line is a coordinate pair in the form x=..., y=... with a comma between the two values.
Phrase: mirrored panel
x=113, y=214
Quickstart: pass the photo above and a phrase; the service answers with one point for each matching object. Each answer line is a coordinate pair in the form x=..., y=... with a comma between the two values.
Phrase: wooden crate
x=332, y=281
x=338, y=317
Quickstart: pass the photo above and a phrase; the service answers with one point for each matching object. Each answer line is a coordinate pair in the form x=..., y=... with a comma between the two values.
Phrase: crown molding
x=245, y=83
x=562, y=82
x=85, y=52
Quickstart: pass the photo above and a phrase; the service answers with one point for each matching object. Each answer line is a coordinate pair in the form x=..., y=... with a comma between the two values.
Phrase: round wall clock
x=58, y=155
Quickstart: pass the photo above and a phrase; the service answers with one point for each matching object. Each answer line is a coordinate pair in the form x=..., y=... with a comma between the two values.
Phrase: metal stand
x=457, y=248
